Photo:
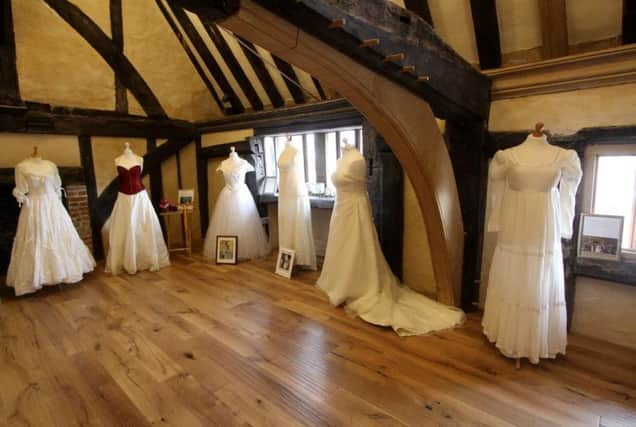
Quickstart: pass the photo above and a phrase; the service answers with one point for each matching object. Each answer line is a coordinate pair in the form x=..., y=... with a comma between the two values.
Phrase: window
x=319, y=150
x=613, y=186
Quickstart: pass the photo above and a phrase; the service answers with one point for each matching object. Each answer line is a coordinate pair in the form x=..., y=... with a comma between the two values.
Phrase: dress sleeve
x=21, y=186
x=58, y=182
x=496, y=187
x=570, y=178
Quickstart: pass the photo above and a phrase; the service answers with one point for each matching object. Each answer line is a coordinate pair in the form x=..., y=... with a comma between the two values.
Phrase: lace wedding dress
x=47, y=249
x=235, y=213
x=294, y=210
x=355, y=272
x=532, y=189
x=135, y=240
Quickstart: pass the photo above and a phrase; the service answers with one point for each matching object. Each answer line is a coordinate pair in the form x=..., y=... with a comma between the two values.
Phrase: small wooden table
x=186, y=219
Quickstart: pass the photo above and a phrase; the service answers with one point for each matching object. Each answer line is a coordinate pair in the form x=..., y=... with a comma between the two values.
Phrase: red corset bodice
x=130, y=180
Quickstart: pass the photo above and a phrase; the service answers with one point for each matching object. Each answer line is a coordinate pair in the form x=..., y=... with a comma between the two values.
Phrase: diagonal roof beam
x=261, y=72
x=111, y=53
x=291, y=79
x=188, y=51
x=234, y=66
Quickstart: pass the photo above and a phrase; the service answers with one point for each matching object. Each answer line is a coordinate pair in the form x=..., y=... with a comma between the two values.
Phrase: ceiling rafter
x=291, y=79
x=208, y=59
x=319, y=88
x=113, y=56
x=261, y=72
x=234, y=66
x=117, y=34
x=420, y=7
x=486, y=33
x=190, y=54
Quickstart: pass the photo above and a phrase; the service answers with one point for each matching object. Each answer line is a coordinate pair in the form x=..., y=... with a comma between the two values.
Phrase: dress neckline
x=130, y=168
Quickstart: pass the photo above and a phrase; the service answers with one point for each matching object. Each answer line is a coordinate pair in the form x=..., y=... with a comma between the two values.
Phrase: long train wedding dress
x=47, y=249
x=135, y=240
x=355, y=271
x=532, y=189
x=235, y=213
x=294, y=210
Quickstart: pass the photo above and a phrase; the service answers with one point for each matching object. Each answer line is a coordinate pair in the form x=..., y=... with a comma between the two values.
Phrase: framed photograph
x=285, y=262
x=600, y=236
x=186, y=198
x=269, y=185
x=226, y=249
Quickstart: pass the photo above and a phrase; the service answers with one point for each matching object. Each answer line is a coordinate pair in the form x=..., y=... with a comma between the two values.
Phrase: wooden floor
x=202, y=345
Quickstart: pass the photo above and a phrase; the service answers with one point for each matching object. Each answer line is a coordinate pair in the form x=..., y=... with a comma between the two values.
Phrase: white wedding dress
x=235, y=214
x=532, y=189
x=294, y=210
x=355, y=271
x=47, y=249
x=135, y=240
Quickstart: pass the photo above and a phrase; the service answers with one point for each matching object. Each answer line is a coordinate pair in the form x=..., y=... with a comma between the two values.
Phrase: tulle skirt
x=135, y=240
x=47, y=249
x=235, y=214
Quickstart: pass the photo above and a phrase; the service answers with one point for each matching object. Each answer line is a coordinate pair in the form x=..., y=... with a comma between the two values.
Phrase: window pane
x=330, y=159
x=311, y=158
x=270, y=156
x=614, y=191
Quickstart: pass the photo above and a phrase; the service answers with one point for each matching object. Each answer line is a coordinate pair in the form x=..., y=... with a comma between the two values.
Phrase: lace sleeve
x=58, y=182
x=496, y=187
x=21, y=186
x=570, y=178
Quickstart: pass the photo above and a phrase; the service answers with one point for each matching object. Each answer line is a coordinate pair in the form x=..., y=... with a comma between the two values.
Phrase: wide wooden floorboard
x=197, y=344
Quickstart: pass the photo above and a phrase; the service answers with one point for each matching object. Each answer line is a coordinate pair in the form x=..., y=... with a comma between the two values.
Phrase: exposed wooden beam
x=109, y=51
x=486, y=33
x=188, y=51
x=629, y=21
x=210, y=10
x=291, y=79
x=319, y=88
x=554, y=28
x=202, y=183
x=234, y=66
x=42, y=118
x=117, y=33
x=9, y=85
x=261, y=72
x=86, y=157
x=208, y=59
x=420, y=7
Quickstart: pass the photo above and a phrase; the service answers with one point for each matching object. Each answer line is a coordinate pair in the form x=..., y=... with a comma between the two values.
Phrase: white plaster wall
x=605, y=310
x=519, y=25
x=590, y=20
x=105, y=150
x=98, y=11
x=453, y=21
x=567, y=112
x=63, y=150
x=55, y=64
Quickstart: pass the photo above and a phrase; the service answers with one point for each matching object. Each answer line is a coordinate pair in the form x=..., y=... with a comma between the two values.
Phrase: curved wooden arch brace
x=124, y=70
x=405, y=121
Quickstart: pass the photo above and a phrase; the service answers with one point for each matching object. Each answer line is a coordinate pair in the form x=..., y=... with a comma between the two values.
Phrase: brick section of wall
x=78, y=208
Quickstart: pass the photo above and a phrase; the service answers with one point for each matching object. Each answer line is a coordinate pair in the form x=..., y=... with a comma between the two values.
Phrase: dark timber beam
x=261, y=72
x=188, y=51
x=86, y=156
x=319, y=88
x=629, y=21
x=117, y=32
x=486, y=33
x=420, y=7
x=42, y=118
x=202, y=181
x=234, y=66
x=210, y=10
x=291, y=79
x=208, y=59
x=453, y=88
x=110, y=52
x=9, y=86
x=554, y=28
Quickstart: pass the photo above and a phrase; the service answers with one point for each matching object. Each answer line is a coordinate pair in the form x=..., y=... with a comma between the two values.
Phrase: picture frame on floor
x=285, y=262
x=600, y=236
x=226, y=249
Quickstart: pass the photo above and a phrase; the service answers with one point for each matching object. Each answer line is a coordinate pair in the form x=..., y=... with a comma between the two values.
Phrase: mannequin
x=294, y=210
x=235, y=213
x=532, y=190
x=355, y=272
x=128, y=159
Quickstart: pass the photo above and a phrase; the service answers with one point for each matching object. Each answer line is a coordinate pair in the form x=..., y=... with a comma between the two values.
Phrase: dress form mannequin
x=128, y=159
x=532, y=191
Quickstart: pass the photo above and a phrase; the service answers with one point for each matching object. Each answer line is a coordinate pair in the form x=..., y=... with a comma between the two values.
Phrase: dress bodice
x=539, y=177
x=350, y=175
x=291, y=174
x=35, y=178
x=130, y=180
x=234, y=173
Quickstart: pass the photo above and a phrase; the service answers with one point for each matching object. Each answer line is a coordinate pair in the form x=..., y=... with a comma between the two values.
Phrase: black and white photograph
x=285, y=262
x=600, y=236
